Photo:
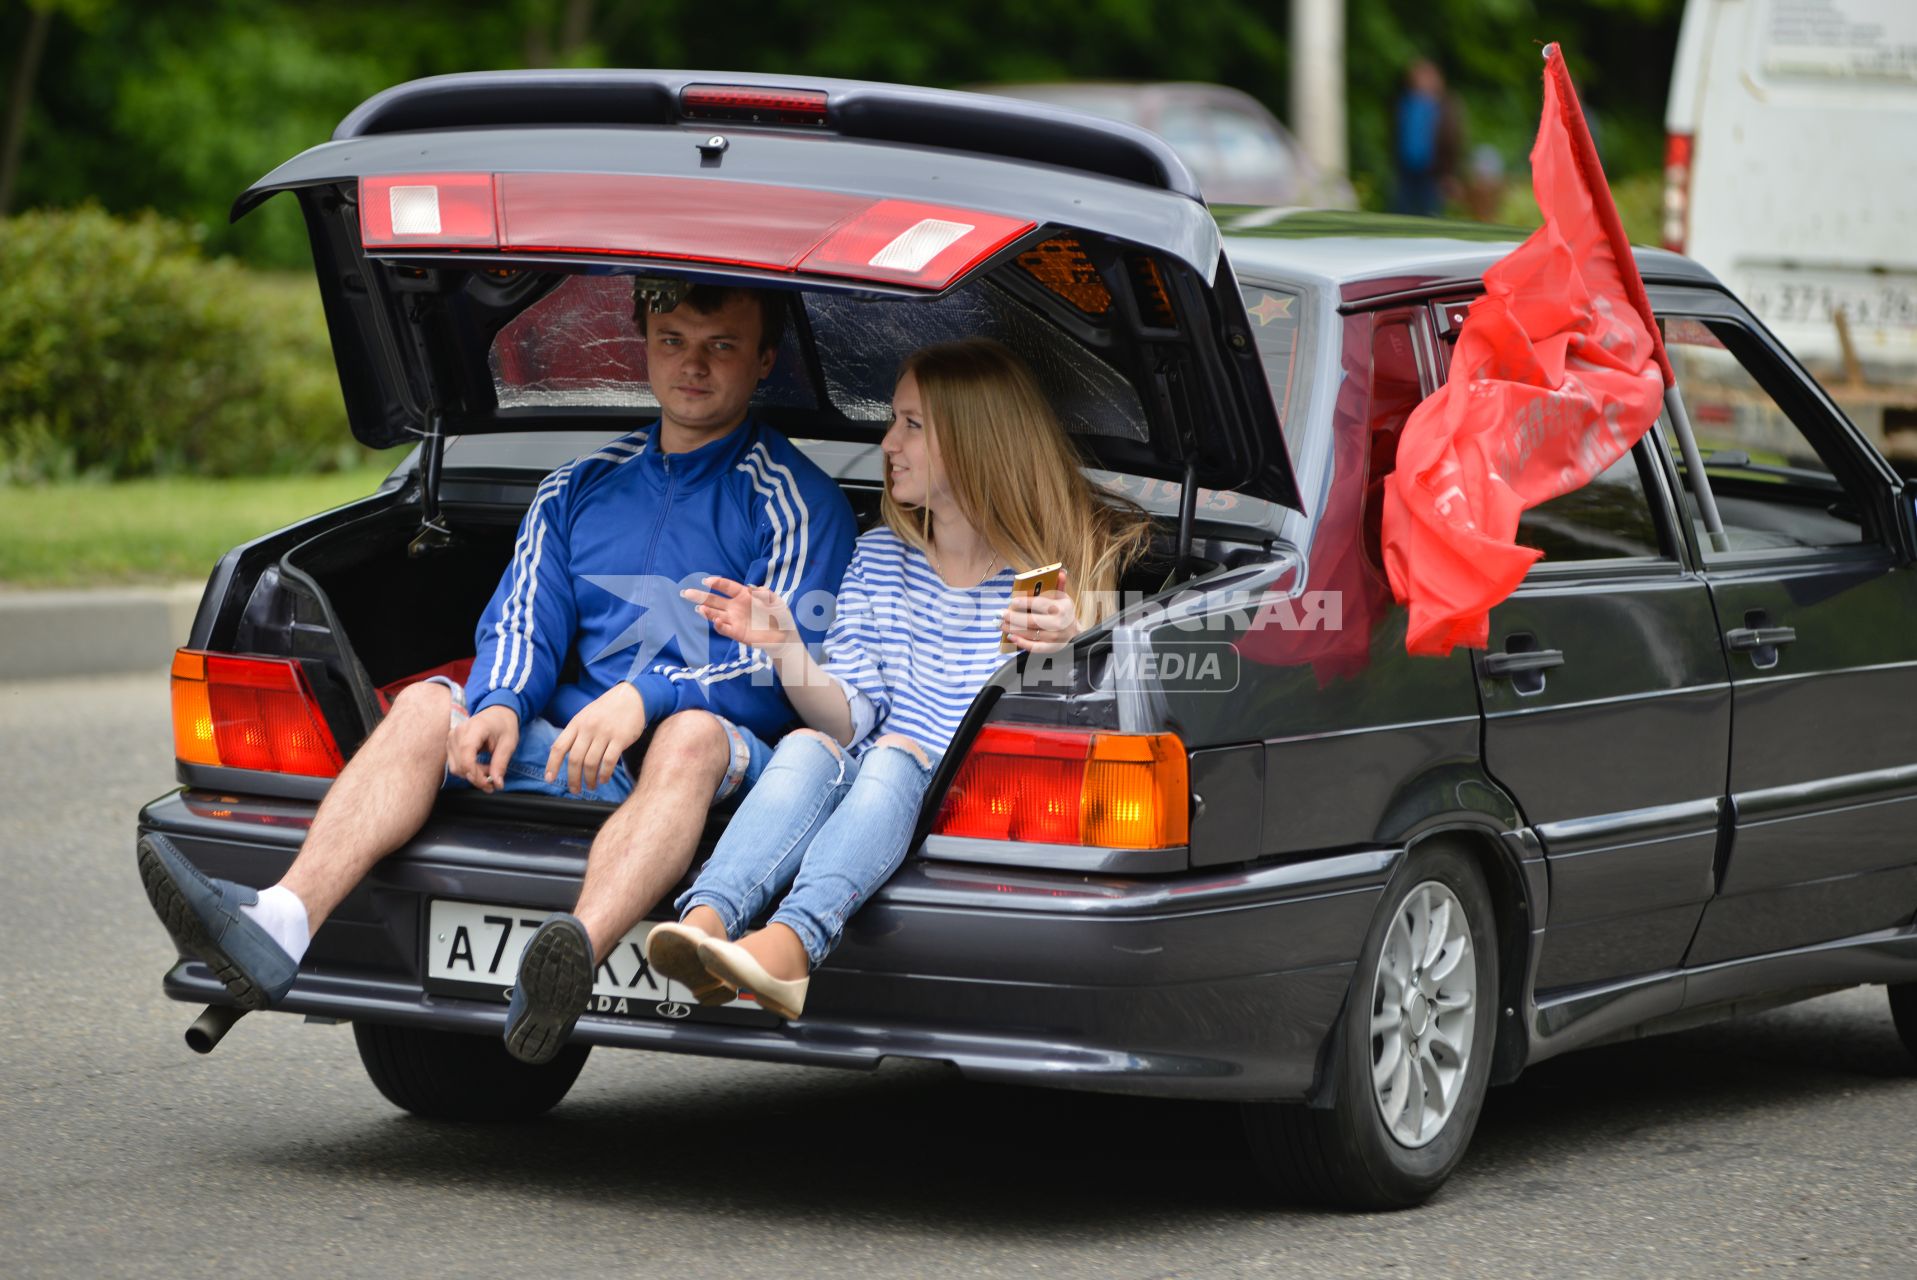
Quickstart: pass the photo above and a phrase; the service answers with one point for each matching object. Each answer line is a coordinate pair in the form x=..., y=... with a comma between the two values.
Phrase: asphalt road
x=1784, y=1142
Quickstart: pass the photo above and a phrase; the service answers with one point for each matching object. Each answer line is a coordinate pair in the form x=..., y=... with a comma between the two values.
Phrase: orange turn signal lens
x=1069, y=786
x=1060, y=264
x=1148, y=287
x=192, y=711
x=250, y=713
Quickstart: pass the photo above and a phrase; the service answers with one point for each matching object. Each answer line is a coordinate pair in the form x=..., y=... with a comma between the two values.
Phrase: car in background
x=1234, y=843
x=1238, y=150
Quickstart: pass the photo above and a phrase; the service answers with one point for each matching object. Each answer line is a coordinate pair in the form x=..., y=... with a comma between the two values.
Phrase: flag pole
x=1587, y=158
x=1694, y=467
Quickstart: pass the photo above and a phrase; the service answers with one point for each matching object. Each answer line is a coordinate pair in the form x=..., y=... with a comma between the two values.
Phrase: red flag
x=1558, y=371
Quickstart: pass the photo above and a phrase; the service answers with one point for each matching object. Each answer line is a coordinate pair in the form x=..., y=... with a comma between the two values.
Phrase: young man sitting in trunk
x=609, y=541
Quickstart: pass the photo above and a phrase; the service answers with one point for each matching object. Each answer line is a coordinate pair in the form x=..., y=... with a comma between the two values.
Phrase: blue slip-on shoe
x=555, y=977
x=203, y=916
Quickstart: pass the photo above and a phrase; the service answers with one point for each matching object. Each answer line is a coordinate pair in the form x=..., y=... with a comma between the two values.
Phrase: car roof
x=1373, y=255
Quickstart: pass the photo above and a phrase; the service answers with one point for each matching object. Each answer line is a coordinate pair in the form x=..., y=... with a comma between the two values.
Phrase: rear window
x=577, y=347
x=1278, y=325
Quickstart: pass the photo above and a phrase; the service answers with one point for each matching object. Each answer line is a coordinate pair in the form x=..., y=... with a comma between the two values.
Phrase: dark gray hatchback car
x=1238, y=845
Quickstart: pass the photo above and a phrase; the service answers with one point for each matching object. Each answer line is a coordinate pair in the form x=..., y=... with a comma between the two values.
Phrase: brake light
x=698, y=219
x=1067, y=786
x=434, y=210
x=1677, y=191
x=784, y=229
x=736, y=102
x=912, y=243
x=249, y=713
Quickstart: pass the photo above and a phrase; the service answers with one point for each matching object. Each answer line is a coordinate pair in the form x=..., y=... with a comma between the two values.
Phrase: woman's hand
x=1043, y=623
x=754, y=616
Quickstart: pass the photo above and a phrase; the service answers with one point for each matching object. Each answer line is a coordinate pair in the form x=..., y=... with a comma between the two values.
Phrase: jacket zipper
x=665, y=509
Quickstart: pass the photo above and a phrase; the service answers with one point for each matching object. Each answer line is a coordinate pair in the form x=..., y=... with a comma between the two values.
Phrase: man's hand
x=591, y=745
x=494, y=730
x=754, y=616
x=1043, y=623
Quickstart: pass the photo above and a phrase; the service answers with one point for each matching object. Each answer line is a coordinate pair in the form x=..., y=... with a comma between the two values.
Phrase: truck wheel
x=1413, y=1051
x=1903, y=1011
x=448, y=1075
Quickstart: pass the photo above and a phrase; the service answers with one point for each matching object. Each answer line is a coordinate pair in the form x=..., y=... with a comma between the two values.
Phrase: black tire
x=1345, y=1156
x=1903, y=1012
x=447, y=1075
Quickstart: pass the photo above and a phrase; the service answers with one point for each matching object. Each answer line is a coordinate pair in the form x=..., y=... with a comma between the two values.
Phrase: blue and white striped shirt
x=910, y=652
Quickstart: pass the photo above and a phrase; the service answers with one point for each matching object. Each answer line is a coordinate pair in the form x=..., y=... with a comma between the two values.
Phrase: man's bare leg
x=646, y=845
x=378, y=802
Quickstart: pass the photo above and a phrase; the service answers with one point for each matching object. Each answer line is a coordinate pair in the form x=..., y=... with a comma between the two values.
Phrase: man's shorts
x=526, y=771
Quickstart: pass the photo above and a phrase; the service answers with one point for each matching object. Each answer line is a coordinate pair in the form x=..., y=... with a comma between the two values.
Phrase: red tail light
x=698, y=219
x=433, y=210
x=734, y=102
x=1068, y=786
x=911, y=243
x=249, y=713
x=786, y=229
x=1677, y=191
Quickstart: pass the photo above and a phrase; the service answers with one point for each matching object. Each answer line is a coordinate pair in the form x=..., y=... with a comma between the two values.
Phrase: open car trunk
x=369, y=615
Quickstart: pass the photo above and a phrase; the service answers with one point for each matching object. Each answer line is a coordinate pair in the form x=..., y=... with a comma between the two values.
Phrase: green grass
x=174, y=529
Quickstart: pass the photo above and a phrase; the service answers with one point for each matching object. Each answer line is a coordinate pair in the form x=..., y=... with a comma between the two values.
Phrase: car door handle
x=1746, y=639
x=1501, y=666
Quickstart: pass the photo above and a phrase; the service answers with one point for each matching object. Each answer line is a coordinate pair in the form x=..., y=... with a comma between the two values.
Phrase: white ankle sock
x=281, y=913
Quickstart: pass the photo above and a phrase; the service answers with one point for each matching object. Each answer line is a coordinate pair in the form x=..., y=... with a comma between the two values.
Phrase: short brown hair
x=708, y=298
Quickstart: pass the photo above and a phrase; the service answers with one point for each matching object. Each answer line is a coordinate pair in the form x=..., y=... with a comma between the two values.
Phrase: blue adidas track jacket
x=605, y=548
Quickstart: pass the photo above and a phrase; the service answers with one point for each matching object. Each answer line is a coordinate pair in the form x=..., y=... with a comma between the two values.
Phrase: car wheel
x=1413, y=1052
x=1903, y=1011
x=448, y=1075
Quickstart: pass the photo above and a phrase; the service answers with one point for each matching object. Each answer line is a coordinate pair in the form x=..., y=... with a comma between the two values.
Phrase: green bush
x=125, y=351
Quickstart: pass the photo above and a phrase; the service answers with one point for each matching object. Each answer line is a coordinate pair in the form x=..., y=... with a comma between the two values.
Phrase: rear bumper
x=1208, y=984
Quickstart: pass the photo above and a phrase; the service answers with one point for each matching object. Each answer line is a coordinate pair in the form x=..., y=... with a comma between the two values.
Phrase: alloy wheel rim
x=1423, y=1014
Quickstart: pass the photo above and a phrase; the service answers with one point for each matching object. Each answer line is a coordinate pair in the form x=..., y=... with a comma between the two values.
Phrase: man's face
x=704, y=367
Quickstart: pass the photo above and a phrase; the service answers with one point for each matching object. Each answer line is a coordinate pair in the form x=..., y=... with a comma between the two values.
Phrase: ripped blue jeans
x=826, y=826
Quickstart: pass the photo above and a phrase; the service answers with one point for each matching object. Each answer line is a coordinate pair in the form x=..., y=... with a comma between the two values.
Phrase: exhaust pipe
x=211, y=1026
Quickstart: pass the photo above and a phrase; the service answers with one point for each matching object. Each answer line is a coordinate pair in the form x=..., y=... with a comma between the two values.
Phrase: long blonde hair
x=1015, y=474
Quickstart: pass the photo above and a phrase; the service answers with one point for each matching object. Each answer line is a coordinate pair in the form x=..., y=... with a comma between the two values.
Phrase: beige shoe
x=733, y=965
x=673, y=952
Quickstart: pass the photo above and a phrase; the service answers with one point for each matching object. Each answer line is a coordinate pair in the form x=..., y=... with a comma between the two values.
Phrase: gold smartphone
x=1033, y=582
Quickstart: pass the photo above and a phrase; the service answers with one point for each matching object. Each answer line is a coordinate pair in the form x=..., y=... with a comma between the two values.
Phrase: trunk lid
x=444, y=208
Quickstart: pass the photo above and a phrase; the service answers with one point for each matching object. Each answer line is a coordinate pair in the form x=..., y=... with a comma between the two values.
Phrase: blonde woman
x=981, y=482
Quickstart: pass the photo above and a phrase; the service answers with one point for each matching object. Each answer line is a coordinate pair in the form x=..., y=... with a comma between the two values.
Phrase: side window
x=1608, y=519
x=1777, y=486
x=1395, y=387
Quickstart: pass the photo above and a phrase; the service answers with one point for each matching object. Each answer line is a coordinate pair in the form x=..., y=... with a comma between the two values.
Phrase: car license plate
x=1810, y=297
x=473, y=949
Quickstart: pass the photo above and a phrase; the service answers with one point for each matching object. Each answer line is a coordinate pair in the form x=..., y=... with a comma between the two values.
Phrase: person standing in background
x=1427, y=138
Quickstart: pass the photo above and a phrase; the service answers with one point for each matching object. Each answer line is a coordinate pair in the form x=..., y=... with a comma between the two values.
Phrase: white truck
x=1791, y=172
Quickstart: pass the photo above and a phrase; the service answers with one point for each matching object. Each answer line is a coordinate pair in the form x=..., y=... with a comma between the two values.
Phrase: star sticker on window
x=1271, y=307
